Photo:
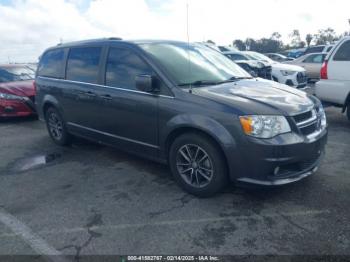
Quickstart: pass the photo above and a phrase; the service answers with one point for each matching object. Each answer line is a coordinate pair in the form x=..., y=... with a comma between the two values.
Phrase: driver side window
x=122, y=67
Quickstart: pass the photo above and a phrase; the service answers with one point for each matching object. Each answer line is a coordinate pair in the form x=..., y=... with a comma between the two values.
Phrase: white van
x=334, y=86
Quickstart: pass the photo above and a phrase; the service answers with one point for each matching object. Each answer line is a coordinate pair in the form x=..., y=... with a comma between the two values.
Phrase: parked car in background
x=227, y=49
x=312, y=64
x=290, y=75
x=334, y=86
x=17, y=90
x=211, y=124
x=318, y=49
x=253, y=67
x=295, y=53
x=278, y=57
x=210, y=45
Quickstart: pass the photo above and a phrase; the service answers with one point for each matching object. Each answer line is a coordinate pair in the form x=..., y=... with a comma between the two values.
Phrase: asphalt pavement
x=92, y=199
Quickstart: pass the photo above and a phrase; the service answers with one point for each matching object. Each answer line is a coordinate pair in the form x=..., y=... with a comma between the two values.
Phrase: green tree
x=308, y=39
x=295, y=38
x=240, y=45
x=325, y=36
x=250, y=44
x=276, y=36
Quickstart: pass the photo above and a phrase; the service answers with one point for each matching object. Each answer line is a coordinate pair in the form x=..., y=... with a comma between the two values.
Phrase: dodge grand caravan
x=181, y=104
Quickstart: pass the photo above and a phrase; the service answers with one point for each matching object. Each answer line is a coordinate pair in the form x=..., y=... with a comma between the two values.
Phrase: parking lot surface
x=93, y=199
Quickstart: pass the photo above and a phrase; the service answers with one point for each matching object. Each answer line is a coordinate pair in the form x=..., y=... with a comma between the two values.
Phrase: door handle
x=107, y=97
x=89, y=93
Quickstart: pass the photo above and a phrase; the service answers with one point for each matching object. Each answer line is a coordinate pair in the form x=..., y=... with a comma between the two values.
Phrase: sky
x=28, y=27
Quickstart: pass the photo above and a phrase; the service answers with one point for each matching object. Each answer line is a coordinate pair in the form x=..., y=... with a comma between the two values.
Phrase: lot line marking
x=179, y=222
x=38, y=244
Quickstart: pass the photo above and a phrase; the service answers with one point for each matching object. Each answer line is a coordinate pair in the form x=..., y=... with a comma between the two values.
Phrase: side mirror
x=146, y=83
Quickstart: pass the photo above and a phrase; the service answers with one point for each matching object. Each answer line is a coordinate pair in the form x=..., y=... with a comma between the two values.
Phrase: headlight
x=322, y=115
x=257, y=64
x=10, y=97
x=264, y=126
x=287, y=72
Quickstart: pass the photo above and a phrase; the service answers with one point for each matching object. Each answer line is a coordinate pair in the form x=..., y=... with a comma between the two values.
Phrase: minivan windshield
x=194, y=64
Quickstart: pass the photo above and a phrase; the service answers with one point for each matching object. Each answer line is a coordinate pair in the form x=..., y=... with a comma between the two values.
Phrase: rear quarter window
x=51, y=64
x=343, y=53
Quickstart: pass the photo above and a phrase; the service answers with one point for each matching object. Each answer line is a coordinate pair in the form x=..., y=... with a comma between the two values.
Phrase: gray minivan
x=181, y=104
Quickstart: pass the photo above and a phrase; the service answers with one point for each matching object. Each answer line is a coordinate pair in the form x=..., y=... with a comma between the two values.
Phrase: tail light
x=324, y=70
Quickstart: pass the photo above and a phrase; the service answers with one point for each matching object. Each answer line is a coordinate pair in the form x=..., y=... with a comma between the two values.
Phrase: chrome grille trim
x=309, y=121
x=313, y=120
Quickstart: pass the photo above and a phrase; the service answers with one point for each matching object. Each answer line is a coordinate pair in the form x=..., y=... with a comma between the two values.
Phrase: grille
x=308, y=122
x=308, y=130
x=302, y=117
x=292, y=168
x=301, y=77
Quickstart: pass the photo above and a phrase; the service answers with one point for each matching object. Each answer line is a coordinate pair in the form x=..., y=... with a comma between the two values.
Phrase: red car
x=17, y=91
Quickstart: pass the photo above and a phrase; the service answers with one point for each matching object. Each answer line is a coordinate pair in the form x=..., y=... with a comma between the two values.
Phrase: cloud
x=27, y=27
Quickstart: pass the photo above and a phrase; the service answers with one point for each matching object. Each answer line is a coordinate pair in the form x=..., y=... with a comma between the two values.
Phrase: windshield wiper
x=212, y=83
x=234, y=79
x=199, y=83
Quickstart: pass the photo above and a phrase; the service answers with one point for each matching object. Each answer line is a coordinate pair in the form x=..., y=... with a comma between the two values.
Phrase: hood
x=260, y=96
x=20, y=88
x=280, y=66
x=253, y=63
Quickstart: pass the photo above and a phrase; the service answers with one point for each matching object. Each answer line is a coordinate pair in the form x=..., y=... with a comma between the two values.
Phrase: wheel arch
x=210, y=129
x=50, y=101
x=347, y=103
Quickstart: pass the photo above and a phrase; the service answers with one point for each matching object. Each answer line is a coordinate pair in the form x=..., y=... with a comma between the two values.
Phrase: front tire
x=348, y=110
x=57, y=127
x=198, y=165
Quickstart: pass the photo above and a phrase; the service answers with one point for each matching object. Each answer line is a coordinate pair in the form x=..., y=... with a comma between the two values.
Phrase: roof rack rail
x=114, y=38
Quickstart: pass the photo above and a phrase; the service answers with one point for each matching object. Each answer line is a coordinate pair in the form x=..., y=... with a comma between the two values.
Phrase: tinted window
x=51, y=64
x=329, y=48
x=122, y=68
x=343, y=53
x=316, y=59
x=315, y=49
x=236, y=57
x=83, y=64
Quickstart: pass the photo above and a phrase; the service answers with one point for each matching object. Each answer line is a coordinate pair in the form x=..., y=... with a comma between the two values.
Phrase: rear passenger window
x=83, y=64
x=343, y=53
x=123, y=66
x=51, y=64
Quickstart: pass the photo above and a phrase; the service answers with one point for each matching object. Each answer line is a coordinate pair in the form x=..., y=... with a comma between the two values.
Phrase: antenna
x=188, y=43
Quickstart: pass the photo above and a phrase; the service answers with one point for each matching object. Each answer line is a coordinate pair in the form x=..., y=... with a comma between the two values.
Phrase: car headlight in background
x=10, y=96
x=257, y=64
x=287, y=72
x=264, y=126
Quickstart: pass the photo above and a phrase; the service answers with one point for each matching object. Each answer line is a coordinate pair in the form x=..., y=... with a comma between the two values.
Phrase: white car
x=334, y=86
x=291, y=75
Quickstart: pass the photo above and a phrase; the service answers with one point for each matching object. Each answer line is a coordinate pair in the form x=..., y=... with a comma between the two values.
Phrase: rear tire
x=198, y=165
x=57, y=127
x=348, y=110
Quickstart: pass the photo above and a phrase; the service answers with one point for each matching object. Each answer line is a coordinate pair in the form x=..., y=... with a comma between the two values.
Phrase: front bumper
x=16, y=108
x=282, y=160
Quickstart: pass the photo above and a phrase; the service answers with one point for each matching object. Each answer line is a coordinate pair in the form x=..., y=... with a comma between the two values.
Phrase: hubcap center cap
x=194, y=165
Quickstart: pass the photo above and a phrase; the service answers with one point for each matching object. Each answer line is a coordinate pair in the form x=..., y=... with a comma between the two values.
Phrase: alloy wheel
x=194, y=165
x=55, y=126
